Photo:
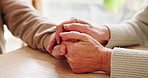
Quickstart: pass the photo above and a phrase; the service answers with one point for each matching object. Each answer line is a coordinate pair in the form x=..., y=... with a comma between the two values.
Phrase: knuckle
x=90, y=26
x=77, y=26
x=85, y=27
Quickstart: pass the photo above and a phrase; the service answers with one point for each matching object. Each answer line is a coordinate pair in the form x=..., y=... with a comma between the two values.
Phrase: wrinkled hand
x=59, y=29
x=101, y=34
x=85, y=55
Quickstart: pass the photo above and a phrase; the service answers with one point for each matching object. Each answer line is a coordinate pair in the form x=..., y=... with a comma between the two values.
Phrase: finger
x=83, y=28
x=78, y=21
x=73, y=35
x=62, y=50
x=69, y=47
x=52, y=43
x=60, y=29
x=59, y=51
x=75, y=20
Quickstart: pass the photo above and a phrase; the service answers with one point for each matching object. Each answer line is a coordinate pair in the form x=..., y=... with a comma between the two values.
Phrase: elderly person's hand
x=85, y=54
x=59, y=29
x=101, y=33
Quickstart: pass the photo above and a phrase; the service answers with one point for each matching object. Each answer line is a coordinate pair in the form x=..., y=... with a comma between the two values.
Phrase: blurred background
x=96, y=12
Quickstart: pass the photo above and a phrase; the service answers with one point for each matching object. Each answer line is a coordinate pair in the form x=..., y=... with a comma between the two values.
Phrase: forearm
x=128, y=33
x=131, y=32
x=28, y=24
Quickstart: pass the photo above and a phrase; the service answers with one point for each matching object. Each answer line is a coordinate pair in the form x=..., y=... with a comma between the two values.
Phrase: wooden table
x=29, y=63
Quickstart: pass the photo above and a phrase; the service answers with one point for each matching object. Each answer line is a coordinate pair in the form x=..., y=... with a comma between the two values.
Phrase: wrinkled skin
x=81, y=43
x=86, y=54
x=101, y=34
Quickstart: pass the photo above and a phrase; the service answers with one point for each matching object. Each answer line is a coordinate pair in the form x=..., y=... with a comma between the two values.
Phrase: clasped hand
x=82, y=45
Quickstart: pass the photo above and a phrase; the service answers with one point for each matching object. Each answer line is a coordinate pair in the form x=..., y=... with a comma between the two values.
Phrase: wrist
x=47, y=41
x=106, y=32
x=106, y=59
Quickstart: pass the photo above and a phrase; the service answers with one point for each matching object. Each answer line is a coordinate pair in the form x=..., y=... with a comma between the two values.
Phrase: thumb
x=59, y=51
x=62, y=49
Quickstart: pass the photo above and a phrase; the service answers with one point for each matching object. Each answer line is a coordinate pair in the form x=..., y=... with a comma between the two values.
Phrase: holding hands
x=81, y=43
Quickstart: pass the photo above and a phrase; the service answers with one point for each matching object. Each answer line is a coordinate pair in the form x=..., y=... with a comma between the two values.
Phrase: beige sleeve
x=127, y=63
x=26, y=23
x=131, y=32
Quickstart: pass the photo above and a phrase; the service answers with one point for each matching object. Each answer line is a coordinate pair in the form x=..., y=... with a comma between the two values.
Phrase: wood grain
x=29, y=63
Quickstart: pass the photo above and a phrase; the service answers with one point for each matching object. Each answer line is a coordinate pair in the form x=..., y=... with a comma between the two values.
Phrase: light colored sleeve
x=128, y=63
x=28, y=24
x=131, y=32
